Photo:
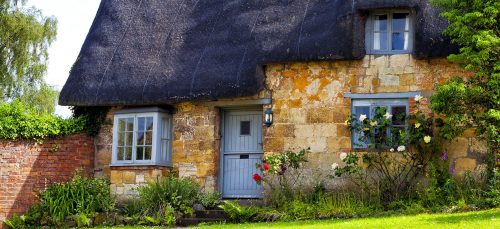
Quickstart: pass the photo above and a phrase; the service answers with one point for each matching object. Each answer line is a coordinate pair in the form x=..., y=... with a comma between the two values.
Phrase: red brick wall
x=28, y=166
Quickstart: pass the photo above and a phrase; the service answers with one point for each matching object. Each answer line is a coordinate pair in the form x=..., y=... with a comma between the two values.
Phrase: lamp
x=268, y=119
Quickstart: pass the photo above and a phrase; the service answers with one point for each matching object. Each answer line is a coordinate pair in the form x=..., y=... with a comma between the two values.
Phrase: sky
x=74, y=20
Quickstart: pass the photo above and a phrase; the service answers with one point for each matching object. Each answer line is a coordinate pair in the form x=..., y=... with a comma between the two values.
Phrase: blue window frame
x=398, y=108
x=389, y=32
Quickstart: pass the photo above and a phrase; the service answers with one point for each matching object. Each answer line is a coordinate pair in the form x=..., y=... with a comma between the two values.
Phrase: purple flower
x=283, y=168
x=443, y=156
x=452, y=169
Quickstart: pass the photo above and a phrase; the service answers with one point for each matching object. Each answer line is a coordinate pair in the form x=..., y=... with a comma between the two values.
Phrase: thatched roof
x=143, y=52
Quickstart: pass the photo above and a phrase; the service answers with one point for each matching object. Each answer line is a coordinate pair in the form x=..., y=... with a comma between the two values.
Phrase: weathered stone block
x=116, y=177
x=128, y=177
x=463, y=165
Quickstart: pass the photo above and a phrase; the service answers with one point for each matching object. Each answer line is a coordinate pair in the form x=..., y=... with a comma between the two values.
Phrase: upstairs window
x=142, y=137
x=389, y=32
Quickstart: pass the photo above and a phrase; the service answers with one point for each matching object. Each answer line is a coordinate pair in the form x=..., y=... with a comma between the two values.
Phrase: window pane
x=129, y=138
x=121, y=139
x=380, y=41
x=139, y=154
x=140, y=138
x=398, y=115
x=141, y=121
x=128, y=153
x=358, y=111
x=380, y=23
x=148, y=138
x=129, y=124
x=147, y=153
x=400, y=22
x=379, y=112
x=149, y=123
x=398, y=41
x=245, y=128
x=120, y=153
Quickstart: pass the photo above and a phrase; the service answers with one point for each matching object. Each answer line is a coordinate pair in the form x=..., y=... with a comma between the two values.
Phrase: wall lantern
x=268, y=120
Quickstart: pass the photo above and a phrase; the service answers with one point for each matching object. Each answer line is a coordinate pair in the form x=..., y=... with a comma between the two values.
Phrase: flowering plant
x=394, y=149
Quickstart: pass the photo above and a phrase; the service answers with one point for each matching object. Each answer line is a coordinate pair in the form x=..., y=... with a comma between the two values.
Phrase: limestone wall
x=309, y=112
x=310, y=107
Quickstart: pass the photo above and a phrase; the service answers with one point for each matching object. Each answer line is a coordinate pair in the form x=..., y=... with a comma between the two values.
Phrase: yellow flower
x=366, y=129
x=347, y=122
x=417, y=125
x=373, y=123
x=427, y=139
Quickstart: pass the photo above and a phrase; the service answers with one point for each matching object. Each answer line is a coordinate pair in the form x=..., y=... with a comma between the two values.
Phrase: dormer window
x=389, y=32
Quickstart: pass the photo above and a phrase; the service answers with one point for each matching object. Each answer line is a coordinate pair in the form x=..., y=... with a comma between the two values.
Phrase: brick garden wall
x=28, y=166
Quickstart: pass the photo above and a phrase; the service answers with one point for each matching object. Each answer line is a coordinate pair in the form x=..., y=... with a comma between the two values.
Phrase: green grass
x=475, y=220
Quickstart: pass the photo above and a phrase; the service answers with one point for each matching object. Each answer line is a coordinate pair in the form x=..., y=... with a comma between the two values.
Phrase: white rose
x=335, y=166
x=418, y=98
x=392, y=150
x=362, y=117
x=388, y=115
x=427, y=139
x=401, y=148
x=343, y=156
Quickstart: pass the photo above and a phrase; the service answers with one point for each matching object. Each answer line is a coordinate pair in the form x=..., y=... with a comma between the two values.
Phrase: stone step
x=210, y=214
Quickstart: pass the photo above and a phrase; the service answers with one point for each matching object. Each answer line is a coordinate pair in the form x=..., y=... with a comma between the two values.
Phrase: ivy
x=19, y=121
x=92, y=117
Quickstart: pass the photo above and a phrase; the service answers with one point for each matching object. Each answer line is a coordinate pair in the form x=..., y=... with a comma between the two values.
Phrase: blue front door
x=242, y=149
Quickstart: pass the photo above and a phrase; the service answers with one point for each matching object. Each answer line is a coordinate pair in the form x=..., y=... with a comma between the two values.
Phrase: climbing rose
x=417, y=125
x=427, y=139
x=373, y=123
x=418, y=98
x=266, y=166
x=392, y=150
x=401, y=148
x=343, y=156
x=257, y=177
x=362, y=117
x=388, y=115
x=335, y=166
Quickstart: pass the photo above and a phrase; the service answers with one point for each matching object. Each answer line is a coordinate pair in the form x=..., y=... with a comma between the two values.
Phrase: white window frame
x=159, y=136
x=369, y=32
x=372, y=103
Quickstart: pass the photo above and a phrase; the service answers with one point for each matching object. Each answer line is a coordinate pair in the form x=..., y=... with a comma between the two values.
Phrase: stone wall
x=310, y=108
x=309, y=112
x=27, y=167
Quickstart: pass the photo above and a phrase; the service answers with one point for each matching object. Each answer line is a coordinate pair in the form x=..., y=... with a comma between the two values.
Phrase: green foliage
x=238, y=213
x=81, y=195
x=210, y=200
x=180, y=194
x=92, y=117
x=25, y=35
x=41, y=98
x=473, y=102
x=82, y=220
x=391, y=163
x=18, y=120
x=16, y=222
x=282, y=174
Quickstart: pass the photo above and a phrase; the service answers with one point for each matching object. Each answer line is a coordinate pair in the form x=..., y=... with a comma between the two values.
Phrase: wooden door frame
x=223, y=111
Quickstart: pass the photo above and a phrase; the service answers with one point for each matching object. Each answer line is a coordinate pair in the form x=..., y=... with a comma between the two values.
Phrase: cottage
x=205, y=88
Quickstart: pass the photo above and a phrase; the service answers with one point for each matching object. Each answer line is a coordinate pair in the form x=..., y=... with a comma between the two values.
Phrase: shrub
x=180, y=194
x=80, y=195
x=210, y=200
x=17, y=120
x=238, y=213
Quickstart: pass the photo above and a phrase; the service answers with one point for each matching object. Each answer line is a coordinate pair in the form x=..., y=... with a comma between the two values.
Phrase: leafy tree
x=472, y=102
x=25, y=35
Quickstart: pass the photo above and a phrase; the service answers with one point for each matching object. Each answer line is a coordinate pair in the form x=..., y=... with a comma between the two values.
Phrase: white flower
x=401, y=148
x=427, y=139
x=335, y=166
x=392, y=150
x=362, y=117
x=373, y=123
x=343, y=156
x=388, y=115
x=417, y=125
x=418, y=98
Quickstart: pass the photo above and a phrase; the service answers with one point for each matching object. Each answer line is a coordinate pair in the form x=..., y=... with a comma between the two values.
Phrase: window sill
x=142, y=165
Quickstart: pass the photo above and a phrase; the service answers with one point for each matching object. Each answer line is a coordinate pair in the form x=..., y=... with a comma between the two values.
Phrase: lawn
x=477, y=219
